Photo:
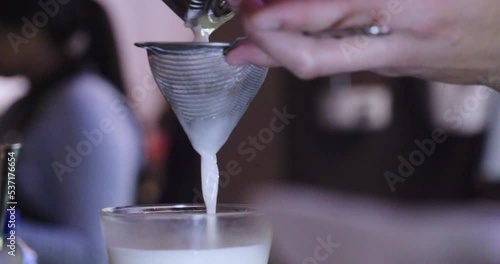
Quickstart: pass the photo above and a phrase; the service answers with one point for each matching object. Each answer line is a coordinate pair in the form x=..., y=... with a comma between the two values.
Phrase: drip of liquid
x=207, y=136
x=209, y=168
x=205, y=24
x=201, y=34
x=210, y=181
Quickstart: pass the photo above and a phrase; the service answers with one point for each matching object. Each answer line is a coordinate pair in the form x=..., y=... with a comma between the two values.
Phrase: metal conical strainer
x=208, y=95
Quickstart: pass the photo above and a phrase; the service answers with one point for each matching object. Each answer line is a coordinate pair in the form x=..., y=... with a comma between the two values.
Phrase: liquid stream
x=207, y=150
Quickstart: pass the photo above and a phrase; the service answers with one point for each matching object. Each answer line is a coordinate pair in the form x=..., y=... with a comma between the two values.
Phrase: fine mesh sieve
x=208, y=95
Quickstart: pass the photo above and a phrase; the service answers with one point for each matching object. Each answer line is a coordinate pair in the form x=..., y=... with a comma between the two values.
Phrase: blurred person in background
x=82, y=146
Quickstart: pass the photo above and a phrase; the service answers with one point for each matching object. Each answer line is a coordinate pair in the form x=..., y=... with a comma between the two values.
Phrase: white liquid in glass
x=256, y=254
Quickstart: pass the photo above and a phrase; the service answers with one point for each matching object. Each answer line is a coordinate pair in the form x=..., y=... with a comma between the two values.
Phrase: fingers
x=295, y=16
x=317, y=15
x=312, y=16
x=309, y=57
x=248, y=53
x=277, y=32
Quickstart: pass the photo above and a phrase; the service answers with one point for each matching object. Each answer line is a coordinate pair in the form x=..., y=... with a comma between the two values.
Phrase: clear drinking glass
x=186, y=234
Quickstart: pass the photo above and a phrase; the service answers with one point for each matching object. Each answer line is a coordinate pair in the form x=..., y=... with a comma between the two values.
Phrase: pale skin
x=447, y=41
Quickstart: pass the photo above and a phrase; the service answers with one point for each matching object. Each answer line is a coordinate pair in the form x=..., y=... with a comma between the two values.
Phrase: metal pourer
x=209, y=14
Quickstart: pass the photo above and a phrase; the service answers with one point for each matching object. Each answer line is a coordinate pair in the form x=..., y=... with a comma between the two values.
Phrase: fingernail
x=239, y=41
x=236, y=61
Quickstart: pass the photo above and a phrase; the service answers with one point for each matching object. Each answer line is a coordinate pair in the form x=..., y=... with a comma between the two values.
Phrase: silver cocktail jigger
x=208, y=95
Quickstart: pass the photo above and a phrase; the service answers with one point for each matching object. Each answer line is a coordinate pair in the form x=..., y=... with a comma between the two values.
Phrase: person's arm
x=450, y=41
x=106, y=176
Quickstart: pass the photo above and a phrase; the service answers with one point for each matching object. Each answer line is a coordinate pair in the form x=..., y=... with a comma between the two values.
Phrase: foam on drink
x=255, y=254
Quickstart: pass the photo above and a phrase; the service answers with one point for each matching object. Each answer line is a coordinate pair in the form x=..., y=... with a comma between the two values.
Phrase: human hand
x=447, y=41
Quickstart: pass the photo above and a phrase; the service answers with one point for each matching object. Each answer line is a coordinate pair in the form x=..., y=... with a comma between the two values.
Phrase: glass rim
x=179, y=210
